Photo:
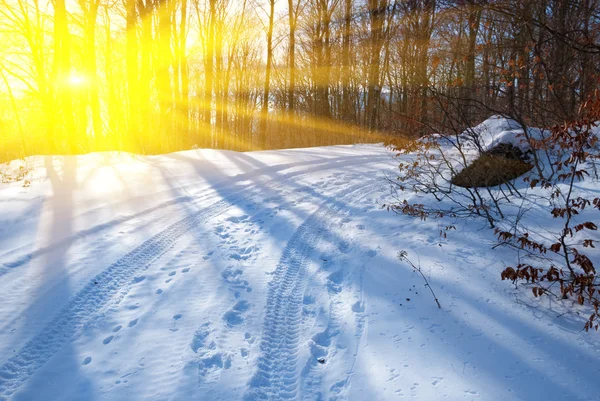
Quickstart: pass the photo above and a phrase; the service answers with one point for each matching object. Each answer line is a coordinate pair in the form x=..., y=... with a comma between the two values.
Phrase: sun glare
x=76, y=79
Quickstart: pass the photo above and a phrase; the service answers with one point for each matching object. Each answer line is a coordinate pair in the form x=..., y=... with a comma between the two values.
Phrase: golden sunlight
x=76, y=80
x=151, y=77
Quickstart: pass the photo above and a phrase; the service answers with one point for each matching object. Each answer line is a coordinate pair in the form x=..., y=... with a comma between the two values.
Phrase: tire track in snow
x=276, y=377
x=113, y=284
x=110, y=283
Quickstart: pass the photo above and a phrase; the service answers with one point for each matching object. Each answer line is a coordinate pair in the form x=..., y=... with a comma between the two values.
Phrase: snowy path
x=277, y=376
x=215, y=275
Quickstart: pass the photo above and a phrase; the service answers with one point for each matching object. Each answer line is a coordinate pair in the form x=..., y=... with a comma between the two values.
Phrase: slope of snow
x=216, y=275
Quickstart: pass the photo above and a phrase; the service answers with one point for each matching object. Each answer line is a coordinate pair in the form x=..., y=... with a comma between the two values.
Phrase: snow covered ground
x=215, y=275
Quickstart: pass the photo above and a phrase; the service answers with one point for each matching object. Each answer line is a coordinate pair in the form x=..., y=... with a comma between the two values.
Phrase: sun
x=76, y=79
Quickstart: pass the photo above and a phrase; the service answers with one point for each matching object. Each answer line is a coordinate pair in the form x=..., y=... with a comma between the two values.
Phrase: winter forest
x=153, y=76
x=299, y=200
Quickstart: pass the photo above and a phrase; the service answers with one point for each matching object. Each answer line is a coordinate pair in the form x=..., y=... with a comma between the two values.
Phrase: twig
x=402, y=255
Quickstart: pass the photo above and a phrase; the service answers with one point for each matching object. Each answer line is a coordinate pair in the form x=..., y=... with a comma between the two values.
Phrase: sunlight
x=76, y=80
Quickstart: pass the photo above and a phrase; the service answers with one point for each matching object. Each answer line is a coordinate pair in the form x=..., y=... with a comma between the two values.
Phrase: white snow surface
x=216, y=275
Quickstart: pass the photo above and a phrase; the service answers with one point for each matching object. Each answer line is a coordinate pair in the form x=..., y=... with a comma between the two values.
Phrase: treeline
x=154, y=76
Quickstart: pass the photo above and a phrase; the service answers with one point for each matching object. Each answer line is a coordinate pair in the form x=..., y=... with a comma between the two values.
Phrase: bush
x=496, y=167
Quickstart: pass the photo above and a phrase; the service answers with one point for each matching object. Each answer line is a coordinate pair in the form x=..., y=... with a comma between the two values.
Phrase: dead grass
x=490, y=170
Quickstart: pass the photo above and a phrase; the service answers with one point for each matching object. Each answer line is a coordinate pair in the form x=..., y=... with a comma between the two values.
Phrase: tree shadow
x=51, y=291
x=508, y=346
x=264, y=173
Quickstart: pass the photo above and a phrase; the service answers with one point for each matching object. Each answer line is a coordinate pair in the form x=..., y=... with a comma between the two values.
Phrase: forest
x=155, y=76
x=285, y=200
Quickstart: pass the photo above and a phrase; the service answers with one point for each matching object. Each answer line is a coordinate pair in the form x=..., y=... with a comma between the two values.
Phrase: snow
x=218, y=275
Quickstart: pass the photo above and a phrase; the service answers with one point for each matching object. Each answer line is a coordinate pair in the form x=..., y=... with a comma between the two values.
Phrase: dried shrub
x=573, y=276
x=436, y=162
x=8, y=175
x=562, y=269
x=490, y=170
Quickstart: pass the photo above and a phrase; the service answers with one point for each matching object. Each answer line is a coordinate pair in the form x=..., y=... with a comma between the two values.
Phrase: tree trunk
x=91, y=14
x=346, y=67
x=292, y=57
x=377, y=10
x=133, y=111
x=184, y=102
x=61, y=71
x=264, y=114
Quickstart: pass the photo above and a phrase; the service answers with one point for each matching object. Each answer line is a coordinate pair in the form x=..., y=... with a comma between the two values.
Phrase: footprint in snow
x=234, y=279
x=334, y=281
x=436, y=381
x=344, y=246
x=234, y=317
x=175, y=318
x=210, y=361
x=248, y=337
x=199, y=342
x=209, y=368
x=87, y=360
x=107, y=340
x=393, y=377
x=308, y=306
x=358, y=307
x=242, y=306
